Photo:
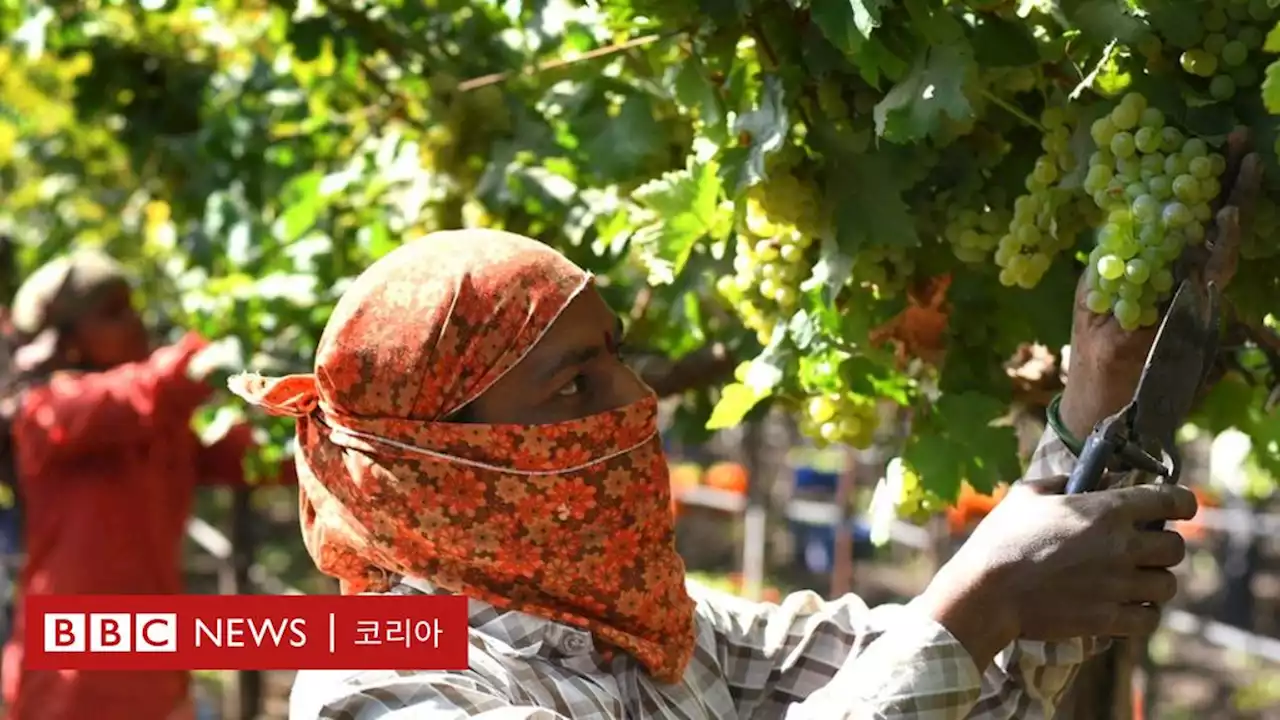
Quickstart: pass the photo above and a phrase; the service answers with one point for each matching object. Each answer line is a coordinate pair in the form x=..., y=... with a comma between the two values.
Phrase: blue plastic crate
x=816, y=544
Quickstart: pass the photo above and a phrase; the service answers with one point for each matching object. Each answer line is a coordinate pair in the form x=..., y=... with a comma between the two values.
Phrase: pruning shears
x=1141, y=437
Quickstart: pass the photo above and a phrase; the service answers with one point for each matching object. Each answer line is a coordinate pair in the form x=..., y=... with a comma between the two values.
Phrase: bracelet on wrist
x=1054, y=418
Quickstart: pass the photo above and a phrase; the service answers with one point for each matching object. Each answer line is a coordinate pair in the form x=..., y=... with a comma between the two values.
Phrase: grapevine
x=825, y=169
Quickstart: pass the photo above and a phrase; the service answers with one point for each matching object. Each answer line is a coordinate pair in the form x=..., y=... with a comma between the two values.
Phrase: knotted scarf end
x=292, y=395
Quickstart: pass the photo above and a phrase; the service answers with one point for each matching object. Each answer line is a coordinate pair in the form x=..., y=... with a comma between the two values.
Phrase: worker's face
x=574, y=371
x=110, y=332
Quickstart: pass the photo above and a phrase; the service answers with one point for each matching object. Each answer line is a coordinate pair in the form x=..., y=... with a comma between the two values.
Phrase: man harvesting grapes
x=95, y=434
x=471, y=429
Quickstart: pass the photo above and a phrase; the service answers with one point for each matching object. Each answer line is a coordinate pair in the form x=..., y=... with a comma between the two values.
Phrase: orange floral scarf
x=570, y=521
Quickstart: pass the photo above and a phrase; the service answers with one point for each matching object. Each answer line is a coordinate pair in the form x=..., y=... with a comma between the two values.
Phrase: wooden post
x=243, y=696
x=842, y=546
x=755, y=518
x=1103, y=690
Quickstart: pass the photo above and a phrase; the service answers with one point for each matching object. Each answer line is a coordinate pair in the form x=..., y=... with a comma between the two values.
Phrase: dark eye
x=571, y=388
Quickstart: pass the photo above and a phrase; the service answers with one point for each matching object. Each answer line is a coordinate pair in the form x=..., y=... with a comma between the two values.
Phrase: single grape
x=1214, y=42
x=1234, y=53
x=1187, y=189
x=1199, y=62
x=1110, y=267
x=1176, y=215
x=1147, y=139
x=1137, y=271
x=1195, y=147
x=1122, y=145
x=1125, y=115
x=1160, y=187
x=1127, y=313
x=1097, y=301
x=1146, y=208
x=1222, y=87
x=1102, y=131
x=1215, y=21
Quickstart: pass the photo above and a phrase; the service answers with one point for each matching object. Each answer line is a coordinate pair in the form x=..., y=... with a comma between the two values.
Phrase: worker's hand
x=1106, y=360
x=1045, y=566
x=216, y=361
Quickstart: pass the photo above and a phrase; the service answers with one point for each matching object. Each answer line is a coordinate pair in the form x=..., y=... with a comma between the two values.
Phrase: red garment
x=108, y=465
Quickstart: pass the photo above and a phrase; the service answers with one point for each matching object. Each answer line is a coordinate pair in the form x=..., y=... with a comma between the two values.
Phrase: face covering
x=569, y=521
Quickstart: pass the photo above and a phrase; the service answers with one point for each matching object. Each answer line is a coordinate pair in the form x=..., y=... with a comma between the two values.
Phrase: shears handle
x=1092, y=464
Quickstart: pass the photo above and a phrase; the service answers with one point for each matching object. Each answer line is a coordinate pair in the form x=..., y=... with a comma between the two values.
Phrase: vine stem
x=495, y=78
x=1011, y=109
x=757, y=32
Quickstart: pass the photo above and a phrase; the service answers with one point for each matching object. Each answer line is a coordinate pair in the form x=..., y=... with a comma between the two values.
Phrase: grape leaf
x=1272, y=44
x=1179, y=22
x=764, y=374
x=689, y=83
x=957, y=441
x=1103, y=20
x=1001, y=43
x=866, y=197
x=736, y=400
x=619, y=144
x=765, y=130
x=831, y=271
x=1271, y=88
x=847, y=23
x=915, y=107
x=687, y=203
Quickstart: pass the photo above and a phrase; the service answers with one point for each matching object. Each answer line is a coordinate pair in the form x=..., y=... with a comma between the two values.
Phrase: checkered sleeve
x=401, y=695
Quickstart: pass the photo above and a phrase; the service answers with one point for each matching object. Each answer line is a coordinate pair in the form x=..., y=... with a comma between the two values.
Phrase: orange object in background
x=1193, y=529
x=727, y=476
x=683, y=476
x=971, y=506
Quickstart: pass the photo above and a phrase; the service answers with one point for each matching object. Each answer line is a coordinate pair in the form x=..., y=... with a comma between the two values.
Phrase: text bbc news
x=158, y=632
x=246, y=632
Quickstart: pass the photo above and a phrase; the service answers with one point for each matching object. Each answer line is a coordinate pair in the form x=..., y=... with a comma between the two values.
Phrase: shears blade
x=1176, y=365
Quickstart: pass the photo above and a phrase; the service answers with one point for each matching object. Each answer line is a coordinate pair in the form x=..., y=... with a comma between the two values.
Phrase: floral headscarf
x=569, y=521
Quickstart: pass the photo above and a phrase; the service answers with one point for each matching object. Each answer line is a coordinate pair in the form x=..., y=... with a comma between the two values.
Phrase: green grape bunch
x=1225, y=59
x=840, y=418
x=1156, y=187
x=902, y=495
x=773, y=254
x=1046, y=219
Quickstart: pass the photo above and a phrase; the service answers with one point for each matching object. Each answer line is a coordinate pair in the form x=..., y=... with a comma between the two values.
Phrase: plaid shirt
x=803, y=659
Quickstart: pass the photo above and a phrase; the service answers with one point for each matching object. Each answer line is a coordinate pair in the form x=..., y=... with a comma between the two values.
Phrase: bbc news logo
x=204, y=632
x=110, y=632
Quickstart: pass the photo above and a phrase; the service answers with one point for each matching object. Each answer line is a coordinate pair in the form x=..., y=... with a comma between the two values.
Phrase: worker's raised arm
x=82, y=413
x=934, y=656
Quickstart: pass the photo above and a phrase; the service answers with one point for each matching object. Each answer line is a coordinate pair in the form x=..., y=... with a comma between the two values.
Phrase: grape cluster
x=842, y=418
x=973, y=232
x=904, y=491
x=885, y=271
x=772, y=257
x=1045, y=219
x=1233, y=30
x=1156, y=186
